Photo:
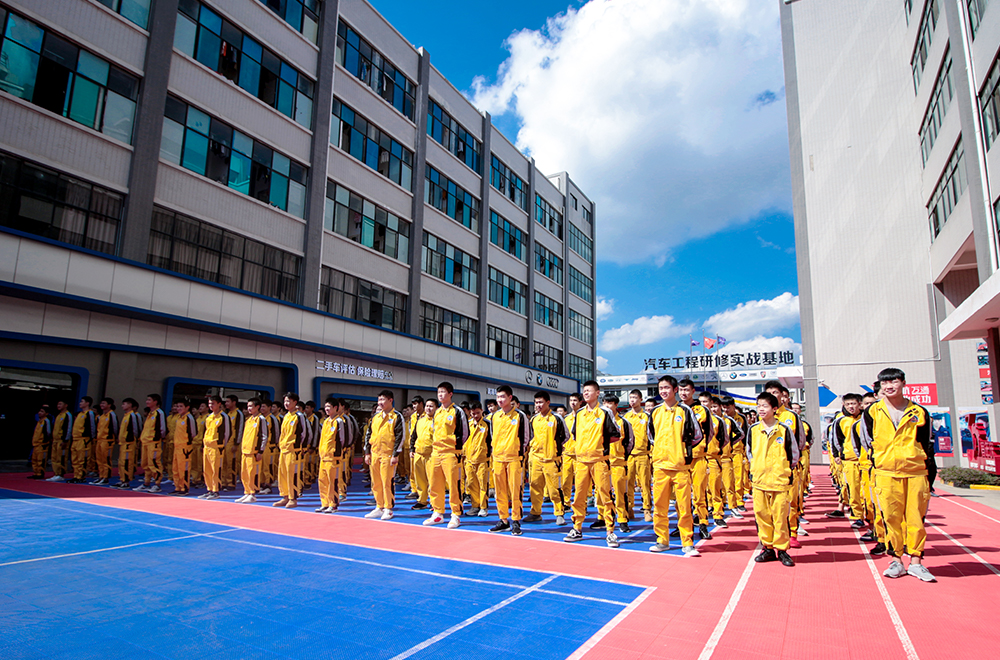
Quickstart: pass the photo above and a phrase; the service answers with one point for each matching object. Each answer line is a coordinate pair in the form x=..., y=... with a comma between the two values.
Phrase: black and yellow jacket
x=898, y=451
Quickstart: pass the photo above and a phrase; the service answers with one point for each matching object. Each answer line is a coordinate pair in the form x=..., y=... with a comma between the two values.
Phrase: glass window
x=448, y=263
x=447, y=327
x=944, y=91
x=547, y=358
x=450, y=134
x=925, y=34
x=581, y=327
x=346, y=295
x=948, y=191
x=548, y=217
x=368, y=144
x=374, y=70
x=505, y=345
x=360, y=220
x=503, y=234
x=581, y=368
x=976, y=9
x=451, y=199
x=580, y=284
x=507, y=292
x=580, y=243
x=509, y=184
x=548, y=264
x=302, y=15
x=548, y=312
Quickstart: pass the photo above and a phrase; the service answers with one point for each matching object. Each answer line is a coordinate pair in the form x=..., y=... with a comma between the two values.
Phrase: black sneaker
x=703, y=531
x=573, y=536
x=623, y=528
x=878, y=550
x=531, y=517
x=419, y=505
x=721, y=522
x=785, y=559
x=675, y=533
x=598, y=524
x=467, y=499
x=766, y=555
x=697, y=520
x=858, y=524
x=741, y=509
x=868, y=537
x=837, y=513
x=502, y=526
x=515, y=528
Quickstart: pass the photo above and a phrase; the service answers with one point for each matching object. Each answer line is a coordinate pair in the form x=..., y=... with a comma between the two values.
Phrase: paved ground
x=990, y=498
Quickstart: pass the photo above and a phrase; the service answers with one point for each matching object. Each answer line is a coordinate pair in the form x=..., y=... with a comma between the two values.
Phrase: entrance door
x=22, y=393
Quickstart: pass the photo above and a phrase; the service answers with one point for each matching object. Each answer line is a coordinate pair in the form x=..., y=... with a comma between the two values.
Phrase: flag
x=709, y=343
x=695, y=343
x=720, y=340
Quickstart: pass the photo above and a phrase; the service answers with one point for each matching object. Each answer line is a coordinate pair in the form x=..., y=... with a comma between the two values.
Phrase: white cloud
x=605, y=307
x=755, y=318
x=602, y=363
x=668, y=113
x=644, y=330
x=762, y=344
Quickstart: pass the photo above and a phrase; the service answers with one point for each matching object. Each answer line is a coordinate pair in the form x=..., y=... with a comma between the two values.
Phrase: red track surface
x=828, y=606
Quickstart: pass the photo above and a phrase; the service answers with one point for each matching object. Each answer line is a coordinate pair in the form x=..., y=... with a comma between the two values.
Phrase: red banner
x=923, y=393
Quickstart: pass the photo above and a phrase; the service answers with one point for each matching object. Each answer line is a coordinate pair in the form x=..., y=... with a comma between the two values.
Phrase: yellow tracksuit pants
x=80, y=450
x=851, y=489
x=666, y=485
x=126, y=461
x=212, y=465
x=444, y=471
x=699, y=485
x=38, y=460
x=198, y=463
x=729, y=484
x=545, y=477
x=182, y=466
x=508, y=485
x=639, y=472
x=619, y=486
x=104, y=448
x=477, y=483
x=597, y=476
x=58, y=457
x=568, y=477
x=228, y=473
x=421, y=476
x=382, y=471
x=250, y=473
x=346, y=463
x=167, y=458
x=288, y=475
x=329, y=475
x=771, y=510
x=904, y=505
x=715, y=488
x=795, y=502
x=873, y=512
x=152, y=462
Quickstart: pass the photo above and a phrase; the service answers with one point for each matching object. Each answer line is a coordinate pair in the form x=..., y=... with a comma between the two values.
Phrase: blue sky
x=670, y=114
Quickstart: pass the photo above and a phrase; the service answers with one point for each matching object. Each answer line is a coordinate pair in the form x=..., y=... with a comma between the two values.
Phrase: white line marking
x=472, y=619
x=117, y=547
x=727, y=613
x=115, y=518
x=904, y=637
x=974, y=555
x=954, y=500
x=610, y=625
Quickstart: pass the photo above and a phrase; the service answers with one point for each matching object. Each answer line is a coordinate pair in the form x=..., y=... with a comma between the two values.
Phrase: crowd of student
x=698, y=452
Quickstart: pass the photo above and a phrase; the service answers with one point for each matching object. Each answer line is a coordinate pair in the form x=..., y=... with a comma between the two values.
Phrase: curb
x=983, y=487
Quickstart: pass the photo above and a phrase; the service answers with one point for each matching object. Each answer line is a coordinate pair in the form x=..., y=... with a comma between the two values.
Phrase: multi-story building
x=269, y=195
x=893, y=112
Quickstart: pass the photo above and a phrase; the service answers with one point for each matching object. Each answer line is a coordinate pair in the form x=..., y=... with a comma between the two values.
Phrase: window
x=506, y=236
x=580, y=243
x=505, y=345
x=451, y=199
x=354, y=298
x=976, y=9
x=303, y=15
x=989, y=102
x=547, y=358
x=509, y=184
x=211, y=148
x=548, y=264
x=370, y=67
x=581, y=327
x=941, y=97
x=948, y=191
x=369, y=144
x=450, y=134
x=42, y=68
x=580, y=368
x=580, y=284
x=548, y=312
x=448, y=263
x=360, y=220
x=576, y=202
x=925, y=33
x=547, y=216
x=198, y=249
x=506, y=291
x=221, y=46
x=448, y=327
x=41, y=201
x=588, y=216
x=136, y=11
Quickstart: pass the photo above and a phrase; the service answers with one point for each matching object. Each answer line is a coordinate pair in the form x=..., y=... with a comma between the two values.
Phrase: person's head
x=542, y=402
x=153, y=401
x=418, y=404
x=516, y=401
x=797, y=408
x=575, y=401
x=476, y=410
x=129, y=404
x=291, y=401
x=86, y=403
x=385, y=401
x=559, y=409
x=300, y=406
x=203, y=408
x=232, y=401
x=253, y=406
x=331, y=406
x=635, y=399
x=183, y=407
x=505, y=398
x=464, y=406
x=107, y=403
x=705, y=399
x=173, y=408
x=892, y=381
x=868, y=399
x=767, y=404
x=715, y=405
x=729, y=404
x=852, y=403
x=445, y=392
x=310, y=407
x=61, y=405
x=214, y=403
x=430, y=407
x=611, y=402
x=668, y=388
x=774, y=388
x=591, y=393
x=43, y=412
x=649, y=404
x=685, y=390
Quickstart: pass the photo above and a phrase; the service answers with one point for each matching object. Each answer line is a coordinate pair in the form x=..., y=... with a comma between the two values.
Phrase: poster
x=985, y=384
x=977, y=440
x=941, y=428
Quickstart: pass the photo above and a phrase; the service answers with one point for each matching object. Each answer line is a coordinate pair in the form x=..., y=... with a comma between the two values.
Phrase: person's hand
x=413, y=455
x=395, y=460
x=368, y=459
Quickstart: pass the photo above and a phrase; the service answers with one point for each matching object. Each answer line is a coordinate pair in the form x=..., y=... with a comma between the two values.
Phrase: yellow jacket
x=218, y=430
x=451, y=430
x=476, y=449
x=671, y=432
x=901, y=451
x=773, y=454
x=843, y=442
x=422, y=435
x=639, y=421
x=594, y=430
x=385, y=434
x=705, y=426
x=507, y=437
x=620, y=451
x=332, y=436
x=155, y=427
x=547, y=437
x=254, y=437
x=569, y=447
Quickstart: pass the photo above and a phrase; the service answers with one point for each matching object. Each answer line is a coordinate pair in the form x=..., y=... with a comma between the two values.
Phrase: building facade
x=269, y=195
x=892, y=116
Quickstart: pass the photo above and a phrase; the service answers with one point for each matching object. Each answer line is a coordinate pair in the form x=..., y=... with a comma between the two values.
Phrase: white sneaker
x=249, y=499
x=153, y=489
x=242, y=499
x=454, y=522
x=484, y=513
x=141, y=488
x=920, y=572
x=56, y=479
x=690, y=551
x=386, y=514
x=895, y=570
x=802, y=532
x=435, y=519
x=560, y=521
x=374, y=513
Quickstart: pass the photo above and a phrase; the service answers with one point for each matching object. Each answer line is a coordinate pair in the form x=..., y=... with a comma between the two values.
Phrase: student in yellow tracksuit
x=353, y=434
x=873, y=513
x=255, y=435
x=594, y=430
x=848, y=455
x=451, y=430
x=185, y=431
x=231, y=453
x=477, y=463
x=331, y=449
x=699, y=464
x=638, y=461
x=618, y=464
x=107, y=431
x=218, y=434
x=805, y=462
x=546, y=438
x=897, y=433
x=717, y=443
x=792, y=422
x=774, y=455
x=383, y=444
x=421, y=443
x=569, y=449
x=41, y=441
x=168, y=443
x=62, y=439
x=673, y=432
x=269, y=463
x=151, y=438
x=740, y=478
x=295, y=434
x=507, y=441
x=721, y=467
x=128, y=434
x=84, y=432
x=198, y=455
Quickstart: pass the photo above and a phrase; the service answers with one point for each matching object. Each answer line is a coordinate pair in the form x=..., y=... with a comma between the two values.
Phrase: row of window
x=370, y=67
x=580, y=368
x=507, y=292
x=349, y=214
x=989, y=103
x=192, y=247
x=451, y=199
x=976, y=9
x=506, y=236
x=580, y=284
x=588, y=215
x=941, y=96
x=548, y=264
x=548, y=312
x=447, y=327
x=302, y=15
x=504, y=344
x=453, y=137
x=547, y=357
x=448, y=263
x=547, y=216
x=948, y=190
x=925, y=33
x=221, y=46
x=41, y=67
x=580, y=243
x=371, y=145
x=205, y=145
x=581, y=327
x=354, y=298
x=508, y=183
x=136, y=11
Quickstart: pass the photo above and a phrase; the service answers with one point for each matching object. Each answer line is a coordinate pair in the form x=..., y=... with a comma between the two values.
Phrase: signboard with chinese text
x=354, y=369
x=923, y=393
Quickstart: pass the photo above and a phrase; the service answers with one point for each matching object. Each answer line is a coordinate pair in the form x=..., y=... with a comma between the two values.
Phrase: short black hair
x=769, y=398
x=716, y=400
x=668, y=379
x=851, y=396
x=685, y=382
x=88, y=399
x=514, y=398
x=505, y=389
x=448, y=387
x=185, y=402
x=475, y=405
x=417, y=400
x=490, y=401
x=576, y=395
x=292, y=395
x=233, y=398
x=591, y=383
x=130, y=401
x=110, y=402
x=155, y=397
x=728, y=400
x=387, y=394
x=631, y=392
x=215, y=397
x=773, y=385
x=612, y=398
x=542, y=394
x=253, y=401
x=892, y=373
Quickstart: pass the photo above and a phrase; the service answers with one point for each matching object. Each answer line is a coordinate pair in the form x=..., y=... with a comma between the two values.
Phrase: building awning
x=977, y=313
